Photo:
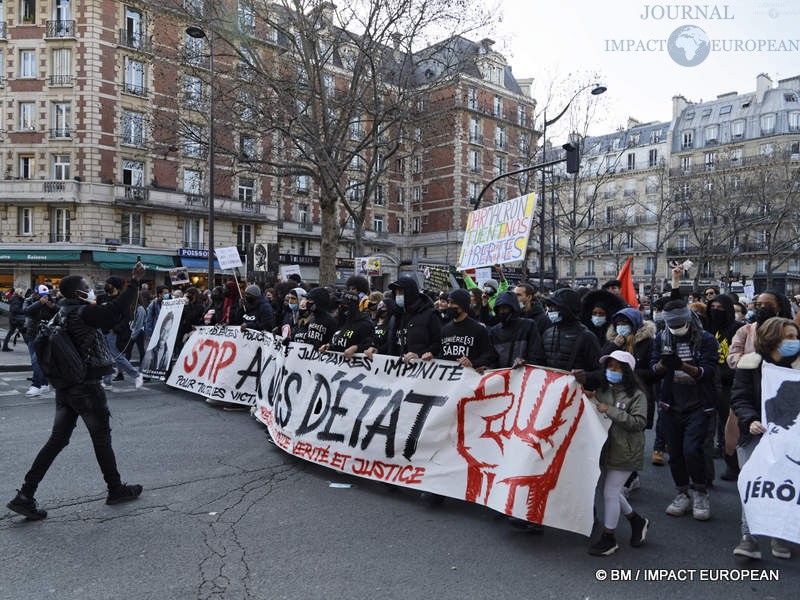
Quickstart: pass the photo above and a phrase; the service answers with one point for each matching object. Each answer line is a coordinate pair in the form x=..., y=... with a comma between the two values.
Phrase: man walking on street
x=82, y=321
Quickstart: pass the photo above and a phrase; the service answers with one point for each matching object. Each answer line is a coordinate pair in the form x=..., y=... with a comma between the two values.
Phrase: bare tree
x=335, y=93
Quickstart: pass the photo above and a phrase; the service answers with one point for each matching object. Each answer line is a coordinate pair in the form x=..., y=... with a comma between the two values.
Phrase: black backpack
x=58, y=357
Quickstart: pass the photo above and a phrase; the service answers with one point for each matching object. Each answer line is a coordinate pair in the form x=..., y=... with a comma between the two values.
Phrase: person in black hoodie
x=597, y=309
x=530, y=306
x=516, y=340
x=258, y=313
x=416, y=328
x=722, y=324
x=318, y=329
x=83, y=321
x=16, y=320
x=464, y=339
x=355, y=333
x=568, y=344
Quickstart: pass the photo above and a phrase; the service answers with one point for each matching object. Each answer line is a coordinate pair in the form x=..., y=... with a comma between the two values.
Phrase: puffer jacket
x=569, y=345
x=416, y=327
x=15, y=314
x=624, y=448
x=517, y=338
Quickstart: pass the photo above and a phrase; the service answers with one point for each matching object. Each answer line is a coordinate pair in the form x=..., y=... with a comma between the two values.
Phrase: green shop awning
x=126, y=260
x=40, y=255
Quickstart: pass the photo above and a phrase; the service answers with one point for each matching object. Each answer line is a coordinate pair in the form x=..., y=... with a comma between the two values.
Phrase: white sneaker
x=45, y=389
x=33, y=391
x=701, y=507
x=680, y=505
x=635, y=485
x=139, y=381
x=107, y=386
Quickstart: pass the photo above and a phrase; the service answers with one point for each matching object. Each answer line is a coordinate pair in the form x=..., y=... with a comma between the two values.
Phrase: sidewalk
x=19, y=359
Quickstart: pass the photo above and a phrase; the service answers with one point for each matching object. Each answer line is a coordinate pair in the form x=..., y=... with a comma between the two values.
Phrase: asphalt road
x=225, y=515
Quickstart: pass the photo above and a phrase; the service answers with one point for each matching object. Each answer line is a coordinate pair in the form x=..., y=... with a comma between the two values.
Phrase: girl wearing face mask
x=621, y=399
x=766, y=305
x=597, y=310
x=777, y=343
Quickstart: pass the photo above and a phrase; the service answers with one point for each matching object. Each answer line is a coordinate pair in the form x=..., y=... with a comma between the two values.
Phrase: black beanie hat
x=460, y=298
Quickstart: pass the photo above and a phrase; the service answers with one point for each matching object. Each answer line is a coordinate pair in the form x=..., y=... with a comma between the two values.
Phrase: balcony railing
x=60, y=133
x=60, y=80
x=134, y=89
x=59, y=29
x=475, y=138
x=133, y=193
x=59, y=237
x=196, y=200
x=54, y=187
x=135, y=40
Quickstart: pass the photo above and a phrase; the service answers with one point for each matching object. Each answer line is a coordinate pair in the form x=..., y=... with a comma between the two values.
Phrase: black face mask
x=763, y=313
x=304, y=312
x=453, y=312
x=717, y=319
x=344, y=312
x=250, y=300
x=108, y=290
x=504, y=316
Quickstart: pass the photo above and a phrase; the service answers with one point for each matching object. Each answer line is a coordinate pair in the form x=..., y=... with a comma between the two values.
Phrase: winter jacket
x=416, y=327
x=516, y=338
x=356, y=331
x=746, y=391
x=15, y=314
x=569, y=345
x=694, y=394
x=36, y=312
x=152, y=317
x=259, y=315
x=624, y=448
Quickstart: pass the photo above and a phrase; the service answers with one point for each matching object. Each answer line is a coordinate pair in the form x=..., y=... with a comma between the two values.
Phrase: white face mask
x=680, y=331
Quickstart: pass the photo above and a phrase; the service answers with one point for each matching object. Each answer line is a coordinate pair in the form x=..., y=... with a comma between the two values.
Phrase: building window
x=132, y=229
x=761, y=265
x=27, y=9
x=474, y=161
x=27, y=64
x=25, y=220
x=521, y=117
x=686, y=164
x=246, y=16
x=61, y=164
x=380, y=195
x=652, y=158
x=377, y=224
x=737, y=128
x=401, y=225
x=631, y=161
x=590, y=267
x=59, y=225
x=301, y=184
x=246, y=191
x=415, y=228
x=62, y=67
x=649, y=265
x=710, y=160
x=27, y=116
x=417, y=194
x=474, y=130
x=244, y=237
x=736, y=156
x=247, y=147
x=416, y=165
x=401, y=197
x=302, y=214
x=500, y=138
x=193, y=140
x=765, y=149
x=472, y=192
x=712, y=134
x=499, y=165
x=134, y=31
x=794, y=120
x=26, y=166
x=354, y=190
x=687, y=139
x=193, y=233
x=768, y=123
x=472, y=98
x=192, y=182
x=655, y=136
x=196, y=51
x=61, y=120
x=193, y=92
x=134, y=77
x=132, y=128
x=683, y=242
x=498, y=106
x=132, y=173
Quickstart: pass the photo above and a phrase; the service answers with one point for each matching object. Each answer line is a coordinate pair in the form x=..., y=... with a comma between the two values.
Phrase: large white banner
x=769, y=483
x=524, y=442
x=158, y=354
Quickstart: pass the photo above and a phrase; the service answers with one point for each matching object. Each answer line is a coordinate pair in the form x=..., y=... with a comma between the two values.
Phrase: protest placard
x=158, y=354
x=228, y=258
x=497, y=234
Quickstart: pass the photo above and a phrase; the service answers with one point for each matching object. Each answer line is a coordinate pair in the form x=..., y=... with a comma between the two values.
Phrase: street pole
x=199, y=33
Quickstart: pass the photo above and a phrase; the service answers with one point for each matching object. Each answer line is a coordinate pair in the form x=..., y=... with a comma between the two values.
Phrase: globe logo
x=688, y=46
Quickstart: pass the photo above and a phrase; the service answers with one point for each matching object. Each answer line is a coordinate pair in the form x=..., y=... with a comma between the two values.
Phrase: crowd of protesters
x=689, y=368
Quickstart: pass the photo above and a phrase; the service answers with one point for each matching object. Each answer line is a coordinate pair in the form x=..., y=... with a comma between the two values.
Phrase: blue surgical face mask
x=554, y=316
x=400, y=301
x=293, y=307
x=751, y=314
x=613, y=377
x=165, y=296
x=789, y=348
x=623, y=329
x=522, y=306
x=658, y=317
x=598, y=321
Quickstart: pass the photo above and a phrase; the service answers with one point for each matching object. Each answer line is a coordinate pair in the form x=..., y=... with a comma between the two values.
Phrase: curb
x=14, y=368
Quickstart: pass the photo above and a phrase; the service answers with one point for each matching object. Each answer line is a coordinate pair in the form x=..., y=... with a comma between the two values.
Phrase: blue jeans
x=38, y=377
x=123, y=364
x=685, y=433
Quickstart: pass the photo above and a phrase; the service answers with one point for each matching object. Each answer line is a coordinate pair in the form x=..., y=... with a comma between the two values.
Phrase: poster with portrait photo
x=158, y=354
x=179, y=275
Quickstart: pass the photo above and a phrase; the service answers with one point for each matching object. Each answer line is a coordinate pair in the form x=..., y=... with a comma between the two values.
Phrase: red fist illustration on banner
x=514, y=433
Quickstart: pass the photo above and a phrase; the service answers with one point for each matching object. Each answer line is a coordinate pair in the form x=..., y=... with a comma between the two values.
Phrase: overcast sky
x=550, y=41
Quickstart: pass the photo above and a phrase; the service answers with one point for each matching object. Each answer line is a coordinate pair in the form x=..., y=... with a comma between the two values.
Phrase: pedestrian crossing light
x=573, y=157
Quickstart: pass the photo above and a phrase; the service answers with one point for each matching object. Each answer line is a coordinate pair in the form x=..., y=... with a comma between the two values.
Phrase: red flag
x=628, y=289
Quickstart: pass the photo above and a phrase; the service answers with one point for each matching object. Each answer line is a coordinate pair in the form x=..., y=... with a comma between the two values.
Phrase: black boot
x=26, y=506
x=605, y=546
x=639, y=526
x=731, y=468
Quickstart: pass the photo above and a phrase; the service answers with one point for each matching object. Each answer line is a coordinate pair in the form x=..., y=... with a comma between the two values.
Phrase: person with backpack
x=16, y=320
x=82, y=321
x=38, y=308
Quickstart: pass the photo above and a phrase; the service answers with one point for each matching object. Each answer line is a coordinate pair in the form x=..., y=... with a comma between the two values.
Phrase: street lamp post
x=198, y=32
x=596, y=91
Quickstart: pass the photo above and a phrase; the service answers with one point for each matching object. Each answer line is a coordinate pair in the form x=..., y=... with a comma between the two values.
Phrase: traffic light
x=573, y=157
